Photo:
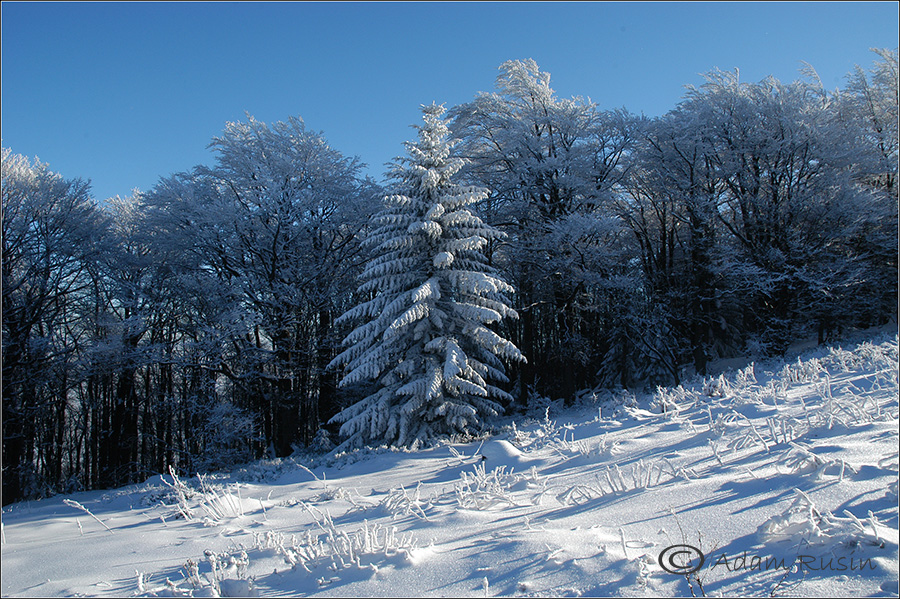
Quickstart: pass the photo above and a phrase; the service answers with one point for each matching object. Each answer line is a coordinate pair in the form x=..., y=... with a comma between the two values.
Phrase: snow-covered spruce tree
x=423, y=337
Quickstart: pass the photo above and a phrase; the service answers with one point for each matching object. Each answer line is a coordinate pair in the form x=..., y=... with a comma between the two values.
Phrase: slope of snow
x=784, y=475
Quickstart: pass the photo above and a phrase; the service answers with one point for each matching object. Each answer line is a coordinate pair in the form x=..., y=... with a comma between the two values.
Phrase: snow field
x=791, y=464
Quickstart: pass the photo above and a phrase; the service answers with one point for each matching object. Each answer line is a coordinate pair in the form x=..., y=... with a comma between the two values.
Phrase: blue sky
x=124, y=93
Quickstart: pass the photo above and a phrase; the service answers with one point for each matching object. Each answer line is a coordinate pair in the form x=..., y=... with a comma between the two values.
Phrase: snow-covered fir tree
x=424, y=338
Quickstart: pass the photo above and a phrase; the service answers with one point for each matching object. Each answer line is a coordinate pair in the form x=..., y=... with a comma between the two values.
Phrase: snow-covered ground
x=784, y=475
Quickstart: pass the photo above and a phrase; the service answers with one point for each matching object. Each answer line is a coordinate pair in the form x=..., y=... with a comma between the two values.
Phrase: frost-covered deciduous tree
x=50, y=227
x=872, y=100
x=276, y=223
x=551, y=165
x=425, y=337
x=869, y=106
x=790, y=200
x=670, y=207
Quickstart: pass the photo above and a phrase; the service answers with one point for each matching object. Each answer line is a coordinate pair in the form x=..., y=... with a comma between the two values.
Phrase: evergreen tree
x=424, y=338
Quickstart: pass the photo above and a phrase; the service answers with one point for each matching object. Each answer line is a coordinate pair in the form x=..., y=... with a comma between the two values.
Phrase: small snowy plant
x=424, y=337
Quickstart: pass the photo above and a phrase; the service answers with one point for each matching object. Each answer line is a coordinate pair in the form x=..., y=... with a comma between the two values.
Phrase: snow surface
x=794, y=461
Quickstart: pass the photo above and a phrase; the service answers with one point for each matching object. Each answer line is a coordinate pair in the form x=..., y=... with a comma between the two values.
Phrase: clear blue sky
x=124, y=93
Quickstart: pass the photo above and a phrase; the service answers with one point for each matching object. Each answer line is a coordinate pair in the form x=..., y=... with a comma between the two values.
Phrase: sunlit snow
x=783, y=474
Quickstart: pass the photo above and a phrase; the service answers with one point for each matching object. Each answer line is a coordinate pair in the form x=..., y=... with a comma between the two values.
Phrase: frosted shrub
x=866, y=354
x=192, y=576
x=800, y=460
x=76, y=505
x=400, y=503
x=335, y=493
x=536, y=402
x=613, y=480
x=719, y=425
x=669, y=400
x=548, y=427
x=220, y=507
x=805, y=525
x=578, y=494
x=265, y=470
x=845, y=360
x=629, y=399
x=568, y=445
x=892, y=461
x=716, y=387
x=546, y=433
x=517, y=437
x=847, y=406
x=182, y=494
x=332, y=549
x=607, y=447
x=803, y=371
x=747, y=435
x=322, y=442
x=227, y=577
x=745, y=377
x=217, y=505
x=664, y=401
x=582, y=448
x=801, y=521
x=784, y=428
x=484, y=490
x=772, y=394
x=229, y=573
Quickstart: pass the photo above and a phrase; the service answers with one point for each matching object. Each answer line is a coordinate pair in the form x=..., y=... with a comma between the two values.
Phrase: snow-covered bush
x=804, y=524
x=399, y=502
x=801, y=460
x=219, y=506
x=716, y=386
x=481, y=489
x=536, y=403
x=315, y=552
x=640, y=475
x=803, y=371
x=669, y=400
x=227, y=577
x=745, y=376
x=182, y=493
x=214, y=505
x=846, y=405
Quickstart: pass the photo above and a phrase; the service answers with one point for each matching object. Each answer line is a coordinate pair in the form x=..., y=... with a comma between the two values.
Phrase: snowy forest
x=524, y=246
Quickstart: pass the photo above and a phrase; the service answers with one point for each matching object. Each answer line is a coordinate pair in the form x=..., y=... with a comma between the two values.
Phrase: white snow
x=784, y=474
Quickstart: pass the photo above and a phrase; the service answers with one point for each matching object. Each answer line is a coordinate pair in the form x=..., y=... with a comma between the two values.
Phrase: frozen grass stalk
x=76, y=505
